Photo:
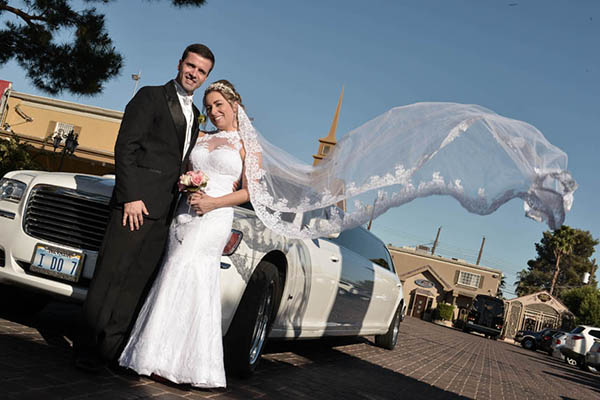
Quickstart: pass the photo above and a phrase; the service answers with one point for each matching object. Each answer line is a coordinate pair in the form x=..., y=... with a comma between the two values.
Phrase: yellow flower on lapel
x=201, y=119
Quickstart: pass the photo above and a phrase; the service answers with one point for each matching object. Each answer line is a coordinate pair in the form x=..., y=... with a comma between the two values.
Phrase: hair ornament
x=221, y=87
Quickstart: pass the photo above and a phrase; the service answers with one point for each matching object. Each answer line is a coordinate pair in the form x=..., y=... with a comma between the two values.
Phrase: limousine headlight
x=12, y=190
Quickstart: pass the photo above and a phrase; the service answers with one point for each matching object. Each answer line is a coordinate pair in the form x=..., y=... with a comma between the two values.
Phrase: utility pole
x=480, y=251
x=436, y=241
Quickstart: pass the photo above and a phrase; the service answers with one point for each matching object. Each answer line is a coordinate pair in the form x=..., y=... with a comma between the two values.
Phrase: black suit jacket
x=149, y=149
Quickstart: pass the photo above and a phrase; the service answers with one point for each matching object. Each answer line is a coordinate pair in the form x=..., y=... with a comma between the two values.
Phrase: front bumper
x=483, y=329
x=18, y=250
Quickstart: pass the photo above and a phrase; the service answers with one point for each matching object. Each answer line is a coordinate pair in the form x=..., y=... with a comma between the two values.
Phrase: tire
x=528, y=344
x=390, y=338
x=570, y=361
x=466, y=330
x=247, y=335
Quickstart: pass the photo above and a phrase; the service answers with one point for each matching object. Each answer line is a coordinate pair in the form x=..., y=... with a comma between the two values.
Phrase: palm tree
x=562, y=242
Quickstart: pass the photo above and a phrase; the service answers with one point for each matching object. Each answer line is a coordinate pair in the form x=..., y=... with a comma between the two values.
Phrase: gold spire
x=329, y=141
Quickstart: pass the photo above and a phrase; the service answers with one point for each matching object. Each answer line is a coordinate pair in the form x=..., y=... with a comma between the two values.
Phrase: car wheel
x=247, y=335
x=528, y=344
x=390, y=339
x=570, y=361
x=466, y=330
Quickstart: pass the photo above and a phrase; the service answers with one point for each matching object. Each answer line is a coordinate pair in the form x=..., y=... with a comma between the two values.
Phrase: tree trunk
x=555, y=276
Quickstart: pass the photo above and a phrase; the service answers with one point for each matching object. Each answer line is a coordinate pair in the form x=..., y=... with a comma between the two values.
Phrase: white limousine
x=52, y=224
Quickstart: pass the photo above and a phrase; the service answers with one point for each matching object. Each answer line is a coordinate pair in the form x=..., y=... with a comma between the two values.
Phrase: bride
x=177, y=335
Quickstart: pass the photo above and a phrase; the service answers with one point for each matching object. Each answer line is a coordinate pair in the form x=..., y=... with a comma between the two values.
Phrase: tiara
x=218, y=86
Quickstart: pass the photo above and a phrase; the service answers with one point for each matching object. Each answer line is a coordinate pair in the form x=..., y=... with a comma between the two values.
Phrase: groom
x=151, y=152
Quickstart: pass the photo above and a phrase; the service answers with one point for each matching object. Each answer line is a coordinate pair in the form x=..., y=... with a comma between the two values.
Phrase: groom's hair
x=201, y=50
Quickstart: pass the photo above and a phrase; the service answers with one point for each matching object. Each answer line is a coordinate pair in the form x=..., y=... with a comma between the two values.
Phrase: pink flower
x=197, y=178
x=192, y=181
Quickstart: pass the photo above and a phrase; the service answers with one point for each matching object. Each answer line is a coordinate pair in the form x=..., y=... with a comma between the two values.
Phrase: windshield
x=489, y=304
x=579, y=329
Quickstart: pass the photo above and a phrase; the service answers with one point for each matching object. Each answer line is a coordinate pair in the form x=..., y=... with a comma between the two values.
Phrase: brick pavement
x=431, y=362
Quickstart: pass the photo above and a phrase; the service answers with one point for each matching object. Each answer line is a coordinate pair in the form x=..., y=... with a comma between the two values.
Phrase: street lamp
x=136, y=78
x=68, y=149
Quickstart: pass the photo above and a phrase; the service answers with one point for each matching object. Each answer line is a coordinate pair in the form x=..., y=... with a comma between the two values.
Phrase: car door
x=316, y=287
x=368, y=288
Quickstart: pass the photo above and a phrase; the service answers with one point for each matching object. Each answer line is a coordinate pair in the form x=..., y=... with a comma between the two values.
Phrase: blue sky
x=534, y=60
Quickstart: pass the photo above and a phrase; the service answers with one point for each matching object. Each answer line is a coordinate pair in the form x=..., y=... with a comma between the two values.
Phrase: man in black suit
x=157, y=133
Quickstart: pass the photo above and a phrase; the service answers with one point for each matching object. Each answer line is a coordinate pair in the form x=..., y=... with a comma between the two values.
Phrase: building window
x=469, y=279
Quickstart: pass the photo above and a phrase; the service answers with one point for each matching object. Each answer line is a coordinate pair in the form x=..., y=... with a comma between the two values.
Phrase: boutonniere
x=201, y=119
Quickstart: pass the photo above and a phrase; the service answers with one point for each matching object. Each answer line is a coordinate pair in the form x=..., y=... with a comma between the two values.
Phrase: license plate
x=57, y=262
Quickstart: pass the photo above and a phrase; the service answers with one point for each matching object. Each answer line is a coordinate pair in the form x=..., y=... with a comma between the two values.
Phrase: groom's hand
x=133, y=213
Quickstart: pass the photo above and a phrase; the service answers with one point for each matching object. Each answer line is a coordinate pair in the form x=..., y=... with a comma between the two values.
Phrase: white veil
x=480, y=158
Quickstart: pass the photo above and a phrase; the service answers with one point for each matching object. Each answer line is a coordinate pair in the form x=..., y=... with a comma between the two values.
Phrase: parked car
x=579, y=342
x=592, y=357
x=541, y=340
x=558, y=340
x=486, y=315
x=51, y=228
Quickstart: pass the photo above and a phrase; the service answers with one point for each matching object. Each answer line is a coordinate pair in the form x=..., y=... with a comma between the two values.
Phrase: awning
x=464, y=293
x=423, y=292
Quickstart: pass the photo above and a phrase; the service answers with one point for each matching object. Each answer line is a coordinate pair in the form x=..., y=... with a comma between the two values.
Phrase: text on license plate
x=61, y=263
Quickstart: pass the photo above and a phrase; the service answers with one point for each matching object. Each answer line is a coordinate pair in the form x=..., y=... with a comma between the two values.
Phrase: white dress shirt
x=186, y=106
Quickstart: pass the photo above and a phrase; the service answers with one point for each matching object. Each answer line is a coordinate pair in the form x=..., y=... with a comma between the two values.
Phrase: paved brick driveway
x=432, y=362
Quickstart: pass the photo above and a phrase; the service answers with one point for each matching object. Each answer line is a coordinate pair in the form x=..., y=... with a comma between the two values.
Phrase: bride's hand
x=202, y=203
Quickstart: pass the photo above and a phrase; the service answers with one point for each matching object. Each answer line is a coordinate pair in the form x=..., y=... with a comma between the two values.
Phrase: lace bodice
x=218, y=156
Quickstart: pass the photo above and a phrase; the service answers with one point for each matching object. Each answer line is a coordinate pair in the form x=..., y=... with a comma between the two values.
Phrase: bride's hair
x=226, y=89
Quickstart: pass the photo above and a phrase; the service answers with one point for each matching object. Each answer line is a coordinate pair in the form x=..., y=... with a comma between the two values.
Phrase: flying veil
x=480, y=158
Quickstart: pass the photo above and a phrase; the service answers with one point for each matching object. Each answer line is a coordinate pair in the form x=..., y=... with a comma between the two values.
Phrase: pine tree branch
x=24, y=16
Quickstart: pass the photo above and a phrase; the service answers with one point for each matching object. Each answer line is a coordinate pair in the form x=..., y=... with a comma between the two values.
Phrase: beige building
x=37, y=120
x=535, y=312
x=430, y=279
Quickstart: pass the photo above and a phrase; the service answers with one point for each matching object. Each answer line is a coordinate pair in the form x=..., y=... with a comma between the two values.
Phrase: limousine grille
x=66, y=216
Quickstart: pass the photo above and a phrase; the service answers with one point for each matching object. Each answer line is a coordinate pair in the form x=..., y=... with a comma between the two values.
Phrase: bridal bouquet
x=192, y=181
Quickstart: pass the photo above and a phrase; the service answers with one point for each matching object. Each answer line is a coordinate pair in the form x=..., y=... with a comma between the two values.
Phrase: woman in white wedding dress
x=177, y=335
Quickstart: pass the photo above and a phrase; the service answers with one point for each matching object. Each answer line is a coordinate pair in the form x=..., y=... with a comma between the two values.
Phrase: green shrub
x=14, y=155
x=584, y=303
x=444, y=311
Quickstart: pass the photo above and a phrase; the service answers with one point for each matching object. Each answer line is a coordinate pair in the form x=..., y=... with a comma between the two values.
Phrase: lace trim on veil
x=478, y=157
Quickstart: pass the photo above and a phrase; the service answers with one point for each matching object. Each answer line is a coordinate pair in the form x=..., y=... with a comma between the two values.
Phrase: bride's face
x=219, y=111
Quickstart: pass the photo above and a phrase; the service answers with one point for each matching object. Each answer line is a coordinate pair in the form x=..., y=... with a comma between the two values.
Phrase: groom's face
x=193, y=71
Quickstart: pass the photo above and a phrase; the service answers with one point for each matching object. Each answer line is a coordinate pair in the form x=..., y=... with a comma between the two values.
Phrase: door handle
x=334, y=258
x=398, y=285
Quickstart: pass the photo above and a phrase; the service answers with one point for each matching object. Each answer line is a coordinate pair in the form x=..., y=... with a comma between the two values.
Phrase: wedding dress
x=178, y=334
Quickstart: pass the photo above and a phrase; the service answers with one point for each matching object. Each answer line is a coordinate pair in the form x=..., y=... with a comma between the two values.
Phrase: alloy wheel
x=262, y=321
